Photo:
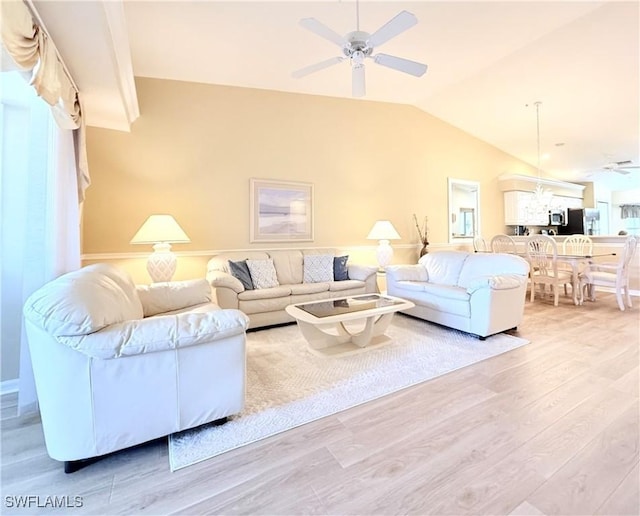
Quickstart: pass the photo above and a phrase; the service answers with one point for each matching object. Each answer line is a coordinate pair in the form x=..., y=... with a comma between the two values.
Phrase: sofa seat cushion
x=443, y=291
x=195, y=309
x=444, y=298
x=265, y=293
x=436, y=301
x=338, y=286
x=258, y=306
x=308, y=288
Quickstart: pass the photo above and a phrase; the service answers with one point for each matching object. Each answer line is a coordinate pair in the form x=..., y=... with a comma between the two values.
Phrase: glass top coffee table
x=346, y=325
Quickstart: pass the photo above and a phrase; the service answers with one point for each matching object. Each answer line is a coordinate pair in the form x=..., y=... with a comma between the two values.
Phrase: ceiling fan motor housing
x=357, y=49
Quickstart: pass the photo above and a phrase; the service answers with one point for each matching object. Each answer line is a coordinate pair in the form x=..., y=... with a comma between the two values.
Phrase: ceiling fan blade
x=323, y=31
x=399, y=23
x=622, y=171
x=400, y=64
x=357, y=81
x=316, y=67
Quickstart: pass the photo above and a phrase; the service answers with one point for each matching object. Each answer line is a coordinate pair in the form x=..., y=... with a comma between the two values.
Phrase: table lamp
x=383, y=231
x=160, y=230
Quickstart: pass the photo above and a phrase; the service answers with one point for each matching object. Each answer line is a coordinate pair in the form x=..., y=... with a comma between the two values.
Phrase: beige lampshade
x=160, y=228
x=383, y=230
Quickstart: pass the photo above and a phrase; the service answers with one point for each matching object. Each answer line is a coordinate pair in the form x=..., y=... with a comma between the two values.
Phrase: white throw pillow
x=263, y=273
x=318, y=268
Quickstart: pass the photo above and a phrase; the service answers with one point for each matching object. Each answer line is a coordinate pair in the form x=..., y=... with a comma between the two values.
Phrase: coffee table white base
x=348, y=333
x=342, y=339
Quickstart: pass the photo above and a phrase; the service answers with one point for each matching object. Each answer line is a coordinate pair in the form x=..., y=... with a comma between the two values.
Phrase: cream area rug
x=287, y=386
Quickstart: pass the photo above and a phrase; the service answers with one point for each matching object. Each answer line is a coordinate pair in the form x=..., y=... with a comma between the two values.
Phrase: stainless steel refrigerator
x=581, y=221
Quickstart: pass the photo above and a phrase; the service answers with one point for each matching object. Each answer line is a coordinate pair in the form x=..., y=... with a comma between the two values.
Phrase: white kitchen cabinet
x=516, y=212
x=562, y=202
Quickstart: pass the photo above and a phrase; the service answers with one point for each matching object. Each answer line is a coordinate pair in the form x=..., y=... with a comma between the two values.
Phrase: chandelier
x=538, y=207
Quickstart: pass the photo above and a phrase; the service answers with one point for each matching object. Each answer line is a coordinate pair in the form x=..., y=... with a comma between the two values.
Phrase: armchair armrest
x=219, y=279
x=361, y=272
x=497, y=282
x=159, y=333
x=415, y=272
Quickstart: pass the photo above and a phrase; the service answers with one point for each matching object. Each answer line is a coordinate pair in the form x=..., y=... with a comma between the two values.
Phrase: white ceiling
x=487, y=61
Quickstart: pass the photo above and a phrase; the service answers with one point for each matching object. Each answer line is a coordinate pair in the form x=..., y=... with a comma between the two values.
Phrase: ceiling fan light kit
x=359, y=45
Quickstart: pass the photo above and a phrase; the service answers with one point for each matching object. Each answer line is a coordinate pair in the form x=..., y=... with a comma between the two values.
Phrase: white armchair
x=117, y=365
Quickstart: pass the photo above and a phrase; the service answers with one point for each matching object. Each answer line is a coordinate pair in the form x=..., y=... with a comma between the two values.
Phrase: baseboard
x=8, y=387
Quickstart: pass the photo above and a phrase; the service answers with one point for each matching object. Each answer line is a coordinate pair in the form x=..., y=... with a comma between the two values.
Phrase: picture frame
x=281, y=211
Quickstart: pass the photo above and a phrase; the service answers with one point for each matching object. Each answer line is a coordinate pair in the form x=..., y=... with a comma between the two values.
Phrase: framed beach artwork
x=281, y=211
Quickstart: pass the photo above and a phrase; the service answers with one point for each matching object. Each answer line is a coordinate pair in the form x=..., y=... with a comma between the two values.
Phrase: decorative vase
x=424, y=250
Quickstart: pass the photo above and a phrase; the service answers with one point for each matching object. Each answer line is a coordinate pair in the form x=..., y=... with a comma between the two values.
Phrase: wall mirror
x=464, y=209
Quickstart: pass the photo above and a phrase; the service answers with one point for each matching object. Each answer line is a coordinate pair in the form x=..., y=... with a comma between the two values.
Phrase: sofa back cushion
x=444, y=267
x=159, y=298
x=288, y=266
x=132, y=304
x=490, y=264
x=220, y=262
x=78, y=303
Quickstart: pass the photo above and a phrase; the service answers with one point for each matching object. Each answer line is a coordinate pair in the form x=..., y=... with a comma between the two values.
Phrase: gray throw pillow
x=340, y=270
x=240, y=270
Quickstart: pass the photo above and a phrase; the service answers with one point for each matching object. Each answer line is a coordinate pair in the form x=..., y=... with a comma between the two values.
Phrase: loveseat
x=116, y=365
x=478, y=293
x=300, y=276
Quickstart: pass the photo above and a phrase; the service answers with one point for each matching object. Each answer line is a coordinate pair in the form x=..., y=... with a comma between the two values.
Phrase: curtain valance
x=32, y=51
x=630, y=211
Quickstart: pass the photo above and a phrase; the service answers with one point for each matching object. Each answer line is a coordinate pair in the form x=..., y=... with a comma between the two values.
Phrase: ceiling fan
x=359, y=45
x=621, y=167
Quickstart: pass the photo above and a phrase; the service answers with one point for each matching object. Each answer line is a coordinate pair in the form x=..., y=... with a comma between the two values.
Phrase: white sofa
x=478, y=293
x=266, y=306
x=116, y=365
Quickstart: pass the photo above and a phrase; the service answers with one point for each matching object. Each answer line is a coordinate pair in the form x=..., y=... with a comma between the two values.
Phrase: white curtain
x=40, y=225
x=44, y=177
x=630, y=211
x=31, y=50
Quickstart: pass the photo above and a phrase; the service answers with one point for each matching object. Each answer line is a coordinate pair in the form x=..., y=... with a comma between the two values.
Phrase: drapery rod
x=36, y=17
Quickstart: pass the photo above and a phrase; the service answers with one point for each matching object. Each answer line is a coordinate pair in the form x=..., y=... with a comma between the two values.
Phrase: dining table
x=574, y=261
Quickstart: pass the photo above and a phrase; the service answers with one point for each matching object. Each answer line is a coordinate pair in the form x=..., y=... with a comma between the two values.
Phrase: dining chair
x=542, y=254
x=575, y=245
x=612, y=275
x=480, y=245
x=503, y=244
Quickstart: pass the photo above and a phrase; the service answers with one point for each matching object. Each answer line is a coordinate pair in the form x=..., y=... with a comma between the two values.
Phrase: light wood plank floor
x=549, y=428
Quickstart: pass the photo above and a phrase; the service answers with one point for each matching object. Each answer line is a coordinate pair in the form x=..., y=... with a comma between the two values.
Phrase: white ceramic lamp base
x=161, y=265
x=384, y=253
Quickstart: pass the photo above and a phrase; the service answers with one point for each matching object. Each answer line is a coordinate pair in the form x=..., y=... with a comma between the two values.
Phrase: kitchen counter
x=597, y=239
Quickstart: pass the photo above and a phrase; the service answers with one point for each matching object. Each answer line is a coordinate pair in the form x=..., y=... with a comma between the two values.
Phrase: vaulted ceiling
x=489, y=62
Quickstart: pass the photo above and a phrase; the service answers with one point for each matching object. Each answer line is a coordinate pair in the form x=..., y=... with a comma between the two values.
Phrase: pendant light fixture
x=538, y=206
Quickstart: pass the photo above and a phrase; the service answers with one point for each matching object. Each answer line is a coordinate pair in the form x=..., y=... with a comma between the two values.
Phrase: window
x=464, y=209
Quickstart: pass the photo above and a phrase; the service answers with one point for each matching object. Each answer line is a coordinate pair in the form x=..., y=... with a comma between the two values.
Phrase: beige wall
x=195, y=147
